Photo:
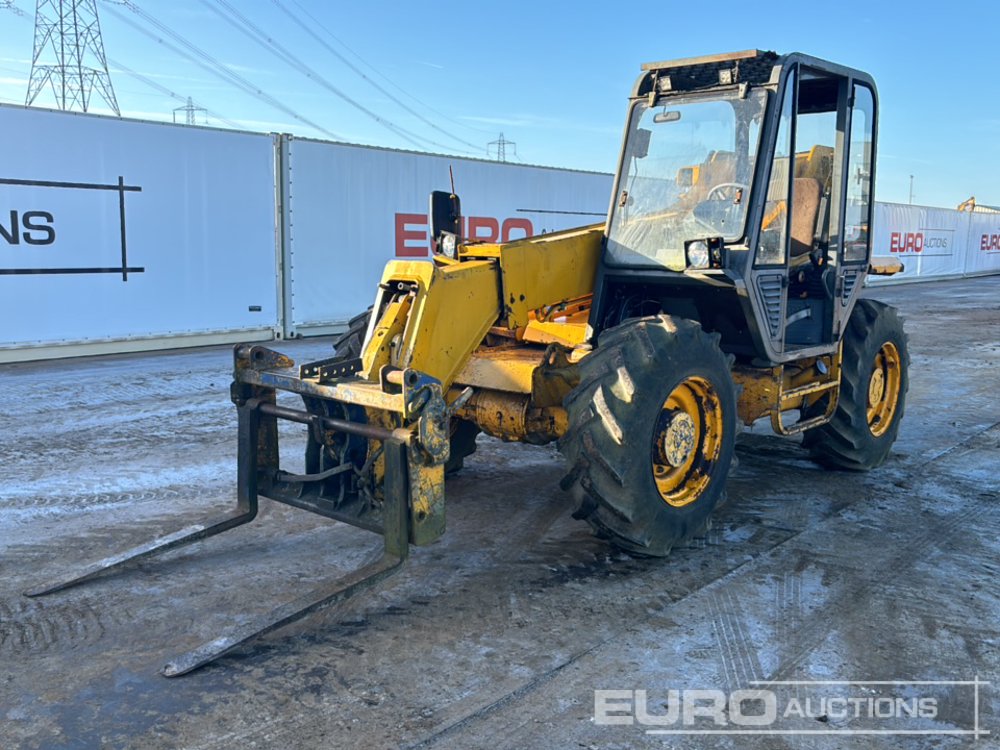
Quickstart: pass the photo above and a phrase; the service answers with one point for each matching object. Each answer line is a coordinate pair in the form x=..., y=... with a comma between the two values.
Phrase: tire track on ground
x=804, y=639
x=29, y=627
x=738, y=654
x=83, y=502
x=731, y=634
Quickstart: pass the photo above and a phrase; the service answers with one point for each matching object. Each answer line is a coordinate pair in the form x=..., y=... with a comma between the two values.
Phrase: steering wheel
x=829, y=279
x=725, y=191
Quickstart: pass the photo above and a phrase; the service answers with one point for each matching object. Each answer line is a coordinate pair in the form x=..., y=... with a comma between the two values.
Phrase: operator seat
x=805, y=210
x=804, y=294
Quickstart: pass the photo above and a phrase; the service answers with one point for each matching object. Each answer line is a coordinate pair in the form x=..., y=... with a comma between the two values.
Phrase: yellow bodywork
x=565, y=323
x=770, y=391
x=502, y=321
x=537, y=290
x=435, y=329
x=502, y=368
x=509, y=322
x=543, y=270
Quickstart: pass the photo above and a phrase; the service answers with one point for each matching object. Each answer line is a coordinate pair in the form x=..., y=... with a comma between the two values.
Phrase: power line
x=375, y=70
x=256, y=34
x=250, y=29
x=209, y=63
x=164, y=90
x=9, y=5
x=121, y=67
x=219, y=69
x=71, y=32
x=305, y=27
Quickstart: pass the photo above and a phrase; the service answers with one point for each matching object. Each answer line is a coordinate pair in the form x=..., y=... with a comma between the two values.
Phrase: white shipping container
x=349, y=209
x=114, y=232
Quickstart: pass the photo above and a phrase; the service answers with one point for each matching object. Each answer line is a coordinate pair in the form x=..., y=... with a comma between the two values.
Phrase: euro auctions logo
x=925, y=242
x=990, y=243
x=906, y=242
x=802, y=707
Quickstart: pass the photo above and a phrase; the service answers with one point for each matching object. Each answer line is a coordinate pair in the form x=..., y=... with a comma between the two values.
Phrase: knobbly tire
x=463, y=445
x=652, y=426
x=463, y=436
x=873, y=383
x=348, y=344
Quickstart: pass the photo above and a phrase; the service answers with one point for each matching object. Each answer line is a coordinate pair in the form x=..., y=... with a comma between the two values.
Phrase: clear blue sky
x=554, y=77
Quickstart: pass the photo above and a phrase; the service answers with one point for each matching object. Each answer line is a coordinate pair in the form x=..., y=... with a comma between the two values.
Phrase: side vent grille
x=770, y=290
x=850, y=279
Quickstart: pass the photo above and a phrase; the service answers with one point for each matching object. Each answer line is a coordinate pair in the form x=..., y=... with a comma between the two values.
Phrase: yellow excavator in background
x=723, y=288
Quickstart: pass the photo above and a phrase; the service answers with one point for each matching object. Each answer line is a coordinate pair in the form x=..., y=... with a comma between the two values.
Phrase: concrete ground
x=498, y=635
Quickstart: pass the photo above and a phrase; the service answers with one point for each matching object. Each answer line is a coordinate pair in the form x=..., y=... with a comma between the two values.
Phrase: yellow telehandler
x=724, y=287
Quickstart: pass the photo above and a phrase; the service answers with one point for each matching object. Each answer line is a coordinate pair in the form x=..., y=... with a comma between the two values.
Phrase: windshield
x=686, y=175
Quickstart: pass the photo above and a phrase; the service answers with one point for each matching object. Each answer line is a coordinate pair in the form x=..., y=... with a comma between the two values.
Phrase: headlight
x=449, y=244
x=697, y=254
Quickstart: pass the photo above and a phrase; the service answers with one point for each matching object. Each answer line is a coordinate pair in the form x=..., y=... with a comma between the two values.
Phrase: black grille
x=769, y=289
x=850, y=279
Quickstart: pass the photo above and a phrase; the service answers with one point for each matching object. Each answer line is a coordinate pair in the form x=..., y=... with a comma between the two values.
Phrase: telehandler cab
x=724, y=287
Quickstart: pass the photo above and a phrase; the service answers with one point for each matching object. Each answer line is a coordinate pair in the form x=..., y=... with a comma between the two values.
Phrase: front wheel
x=651, y=433
x=348, y=344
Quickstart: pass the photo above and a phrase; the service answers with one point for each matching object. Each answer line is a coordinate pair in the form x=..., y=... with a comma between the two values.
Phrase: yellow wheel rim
x=687, y=441
x=883, y=389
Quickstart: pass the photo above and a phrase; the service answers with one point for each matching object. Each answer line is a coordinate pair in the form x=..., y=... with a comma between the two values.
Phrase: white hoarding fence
x=934, y=243
x=929, y=241
x=120, y=231
x=349, y=209
x=984, y=243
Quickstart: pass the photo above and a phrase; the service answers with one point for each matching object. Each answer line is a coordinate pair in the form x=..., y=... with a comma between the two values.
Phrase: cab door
x=815, y=215
x=814, y=233
x=859, y=191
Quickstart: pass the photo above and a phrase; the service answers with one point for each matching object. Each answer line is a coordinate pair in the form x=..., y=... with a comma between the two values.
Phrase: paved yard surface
x=498, y=635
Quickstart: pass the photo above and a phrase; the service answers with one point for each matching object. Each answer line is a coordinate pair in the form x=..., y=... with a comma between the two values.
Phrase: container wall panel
x=351, y=209
x=116, y=229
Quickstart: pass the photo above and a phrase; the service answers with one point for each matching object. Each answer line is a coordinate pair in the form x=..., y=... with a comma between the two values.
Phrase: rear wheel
x=873, y=384
x=651, y=433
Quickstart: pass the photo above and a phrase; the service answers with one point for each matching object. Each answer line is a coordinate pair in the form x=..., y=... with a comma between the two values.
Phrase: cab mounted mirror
x=445, y=219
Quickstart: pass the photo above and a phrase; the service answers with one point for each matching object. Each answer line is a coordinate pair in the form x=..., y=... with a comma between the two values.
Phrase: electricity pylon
x=70, y=32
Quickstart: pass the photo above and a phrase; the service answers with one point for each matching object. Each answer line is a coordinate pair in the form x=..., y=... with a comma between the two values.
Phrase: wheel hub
x=884, y=388
x=678, y=439
x=686, y=441
x=876, y=387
